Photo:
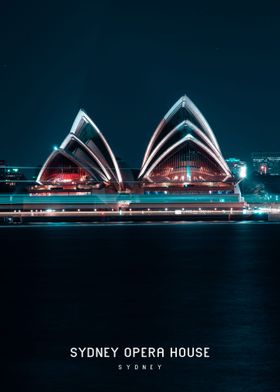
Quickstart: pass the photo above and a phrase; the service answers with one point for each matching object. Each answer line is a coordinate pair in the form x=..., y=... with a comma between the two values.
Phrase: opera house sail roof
x=183, y=149
x=183, y=155
x=84, y=155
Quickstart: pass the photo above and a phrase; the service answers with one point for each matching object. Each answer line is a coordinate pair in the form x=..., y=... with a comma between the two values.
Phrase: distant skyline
x=126, y=63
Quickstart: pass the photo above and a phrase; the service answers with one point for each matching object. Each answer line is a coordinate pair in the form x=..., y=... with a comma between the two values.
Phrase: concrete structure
x=84, y=159
x=183, y=156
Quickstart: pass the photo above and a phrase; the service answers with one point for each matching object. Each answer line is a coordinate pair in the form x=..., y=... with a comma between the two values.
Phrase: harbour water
x=142, y=285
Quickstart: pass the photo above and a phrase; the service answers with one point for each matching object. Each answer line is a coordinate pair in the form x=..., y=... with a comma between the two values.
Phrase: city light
x=243, y=171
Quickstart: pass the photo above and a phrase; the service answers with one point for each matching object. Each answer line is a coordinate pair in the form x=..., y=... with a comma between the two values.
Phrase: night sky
x=127, y=62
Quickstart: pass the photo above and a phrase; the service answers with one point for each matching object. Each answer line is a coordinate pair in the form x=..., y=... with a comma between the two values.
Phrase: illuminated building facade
x=10, y=176
x=237, y=167
x=266, y=162
x=183, y=155
x=84, y=160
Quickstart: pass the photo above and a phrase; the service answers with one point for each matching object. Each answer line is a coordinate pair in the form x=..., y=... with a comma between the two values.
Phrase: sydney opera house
x=182, y=156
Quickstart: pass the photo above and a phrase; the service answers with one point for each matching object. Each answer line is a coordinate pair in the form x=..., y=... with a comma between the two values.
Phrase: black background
x=183, y=284
x=127, y=62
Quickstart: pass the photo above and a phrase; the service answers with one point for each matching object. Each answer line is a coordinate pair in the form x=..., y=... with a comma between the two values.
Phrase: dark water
x=188, y=284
